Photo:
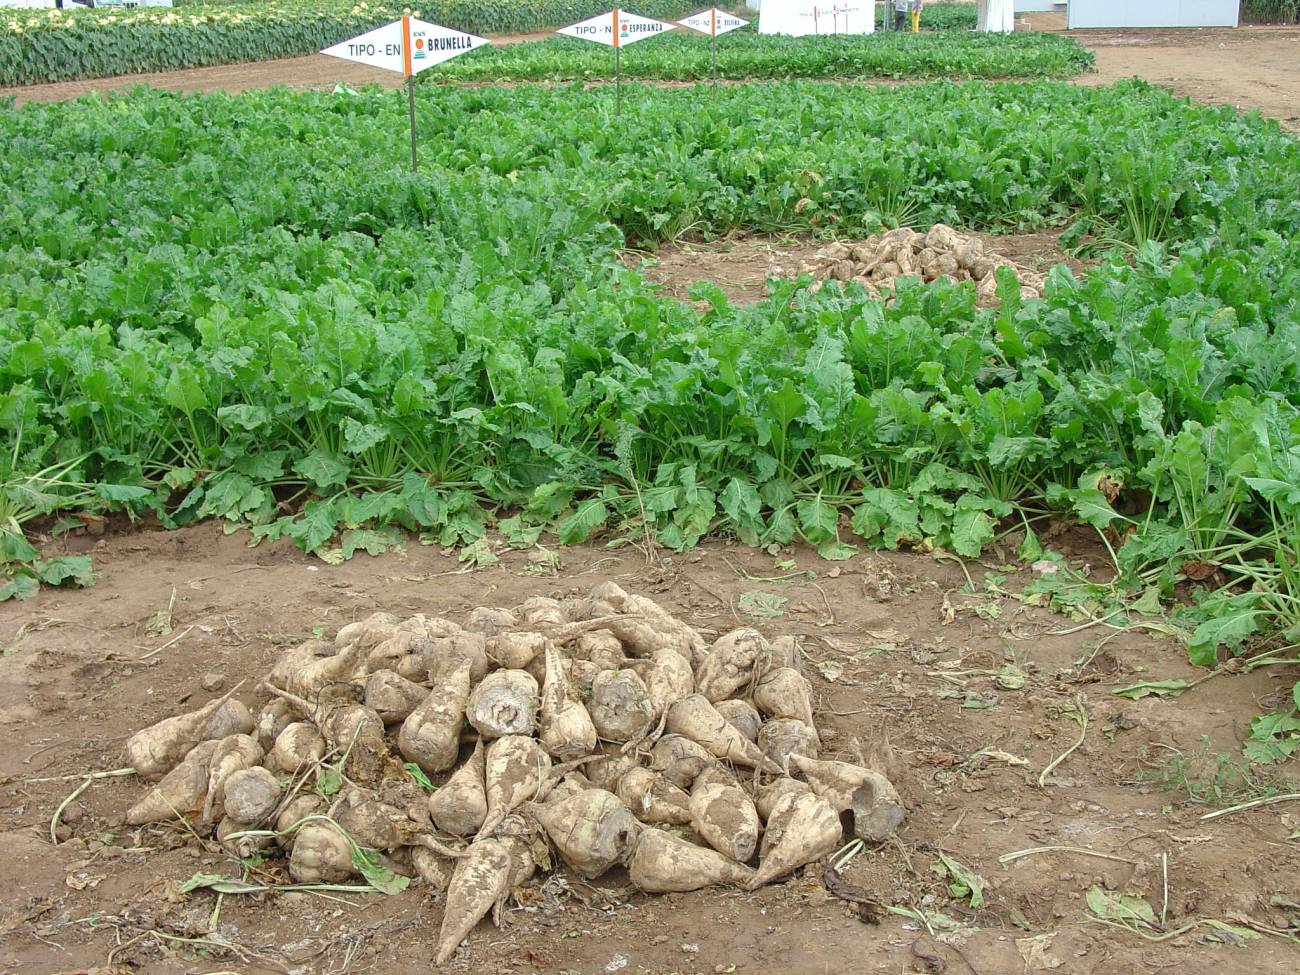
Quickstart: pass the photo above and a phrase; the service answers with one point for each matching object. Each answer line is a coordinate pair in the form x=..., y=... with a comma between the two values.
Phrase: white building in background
x=80, y=4
x=804, y=17
x=1154, y=13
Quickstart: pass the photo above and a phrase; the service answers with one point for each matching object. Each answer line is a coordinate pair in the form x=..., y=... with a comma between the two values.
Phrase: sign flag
x=713, y=21
x=385, y=47
x=631, y=28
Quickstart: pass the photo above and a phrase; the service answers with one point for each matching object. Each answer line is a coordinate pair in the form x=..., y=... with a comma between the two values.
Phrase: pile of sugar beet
x=942, y=252
x=602, y=722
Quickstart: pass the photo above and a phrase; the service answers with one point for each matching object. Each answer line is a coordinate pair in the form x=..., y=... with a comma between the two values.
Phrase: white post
x=996, y=16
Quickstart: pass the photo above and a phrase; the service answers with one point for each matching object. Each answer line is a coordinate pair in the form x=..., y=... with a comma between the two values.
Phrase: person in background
x=900, y=13
x=916, y=15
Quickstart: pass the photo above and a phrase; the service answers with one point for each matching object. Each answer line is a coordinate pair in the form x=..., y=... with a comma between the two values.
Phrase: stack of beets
x=603, y=722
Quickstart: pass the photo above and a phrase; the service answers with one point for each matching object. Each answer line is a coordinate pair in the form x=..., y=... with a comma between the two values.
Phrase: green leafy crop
x=744, y=54
x=57, y=45
x=248, y=309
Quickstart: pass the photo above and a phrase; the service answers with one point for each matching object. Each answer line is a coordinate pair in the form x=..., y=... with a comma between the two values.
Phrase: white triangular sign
x=713, y=21
x=379, y=48
x=432, y=44
x=383, y=47
x=630, y=28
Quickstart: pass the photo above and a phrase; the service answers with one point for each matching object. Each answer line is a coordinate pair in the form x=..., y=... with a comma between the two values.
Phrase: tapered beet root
x=695, y=718
x=481, y=882
x=161, y=747
x=567, y=731
x=180, y=792
x=877, y=809
x=725, y=818
x=517, y=767
x=592, y=830
x=662, y=863
x=802, y=828
x=653, y=799
x=460, y=806
x=430, y=736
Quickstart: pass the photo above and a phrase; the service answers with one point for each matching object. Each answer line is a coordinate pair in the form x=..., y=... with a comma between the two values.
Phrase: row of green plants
x=39, y=46
x=1270, y=11
x=934, y=16
x=46, y=46
x=746, y=55
x=316, y=344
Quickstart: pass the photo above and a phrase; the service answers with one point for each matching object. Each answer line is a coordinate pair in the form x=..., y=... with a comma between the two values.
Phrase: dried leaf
x=939, y=758
x=1197, y=570
x=832, y=670
x=1034, y=952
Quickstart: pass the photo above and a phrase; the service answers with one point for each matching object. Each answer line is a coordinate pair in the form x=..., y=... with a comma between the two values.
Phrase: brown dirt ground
x=907, y=649
x=742, y=265
x=1249, y=68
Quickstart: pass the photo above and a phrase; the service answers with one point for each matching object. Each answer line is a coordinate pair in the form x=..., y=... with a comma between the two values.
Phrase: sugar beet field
x=405, y=571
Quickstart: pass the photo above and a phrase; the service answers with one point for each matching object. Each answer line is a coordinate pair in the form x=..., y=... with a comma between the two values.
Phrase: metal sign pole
x=410, y=88
x=713, y=16
x=395, y=46
x=618, y=69
x=410, y=108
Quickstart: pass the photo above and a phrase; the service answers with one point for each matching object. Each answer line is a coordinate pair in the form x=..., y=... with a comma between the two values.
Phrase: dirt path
x=1251, y=68
x=973, y=689
x=309, y=71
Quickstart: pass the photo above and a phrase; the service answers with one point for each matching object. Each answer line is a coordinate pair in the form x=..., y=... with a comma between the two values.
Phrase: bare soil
x=898, y=654
x=1251, y=68
x=742, y=265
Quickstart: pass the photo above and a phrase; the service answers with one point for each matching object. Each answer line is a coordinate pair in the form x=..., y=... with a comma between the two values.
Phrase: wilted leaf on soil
x=222, y=885
x=837, y=551
x=1152, y=688
x=962, y=882
x=1148, y=604
x=974, y=701
x=376, y=874
x=1274, y=737
x=1010, y=678
x=478, y=555
x=756, y=602
x=1229, y=933
x=1125, y=909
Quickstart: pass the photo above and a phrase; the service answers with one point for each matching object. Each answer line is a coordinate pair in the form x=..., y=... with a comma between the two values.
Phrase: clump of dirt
x=942, y=253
